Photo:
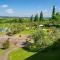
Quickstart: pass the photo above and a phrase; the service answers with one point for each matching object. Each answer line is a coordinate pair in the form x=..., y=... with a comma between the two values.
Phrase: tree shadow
x=49, y=53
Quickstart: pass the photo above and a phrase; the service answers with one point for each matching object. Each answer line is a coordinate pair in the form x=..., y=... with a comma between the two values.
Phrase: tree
x=57, y=14
x=20, y=20
x=31, y=19
x=38, y=37
x=53, y=12
x=6, y=44
x=41, y=16
x=36, y=18
x=57, y=18
x=41, y=38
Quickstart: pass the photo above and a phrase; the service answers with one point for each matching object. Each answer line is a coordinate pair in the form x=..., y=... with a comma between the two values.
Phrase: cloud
x=4, y=6
x=10, y=11
x=46, y=13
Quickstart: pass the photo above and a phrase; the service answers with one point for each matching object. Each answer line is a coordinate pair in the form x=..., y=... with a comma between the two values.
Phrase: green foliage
x=41, y=16
x=31, y=19
x=11, y=20
x=36, y=18
x=16, y=28
x=53, y=12
x=1, y=51
x=37, y=36
x=20, y=20
x=20, y=54
x=6, y=44
x=43, y=39
x=55, y=17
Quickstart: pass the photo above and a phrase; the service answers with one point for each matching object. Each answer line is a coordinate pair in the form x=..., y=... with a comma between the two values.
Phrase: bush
x=42, y=40
x=6, y=44
x=16, y=28
x=31, y=48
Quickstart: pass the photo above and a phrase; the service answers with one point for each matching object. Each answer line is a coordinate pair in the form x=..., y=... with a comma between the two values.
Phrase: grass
x=28, y=31
x=1, y=51
x=20, y=54
x=47, y=55
x=2, y=33
x=50, y=53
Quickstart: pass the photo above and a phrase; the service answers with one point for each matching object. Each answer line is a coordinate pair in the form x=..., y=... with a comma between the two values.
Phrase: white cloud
x=46, y=13
x=10, y=11
x=4, y=6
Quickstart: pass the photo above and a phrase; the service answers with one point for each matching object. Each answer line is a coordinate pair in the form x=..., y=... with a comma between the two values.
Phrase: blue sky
x=24, y=8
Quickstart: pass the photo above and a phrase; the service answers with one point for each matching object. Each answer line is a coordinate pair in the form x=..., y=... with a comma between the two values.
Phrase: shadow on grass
x=50, y=53
x=57, y=26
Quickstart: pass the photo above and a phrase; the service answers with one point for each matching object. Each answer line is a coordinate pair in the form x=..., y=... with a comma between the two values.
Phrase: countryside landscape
x=29, y=35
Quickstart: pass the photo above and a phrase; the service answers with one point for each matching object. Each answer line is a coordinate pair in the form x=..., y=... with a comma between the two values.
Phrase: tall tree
x=41, y=16
x=53, y=12
x=36, y=17
x=31, y=21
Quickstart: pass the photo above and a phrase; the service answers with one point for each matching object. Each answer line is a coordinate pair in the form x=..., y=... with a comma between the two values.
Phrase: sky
x=26, y=8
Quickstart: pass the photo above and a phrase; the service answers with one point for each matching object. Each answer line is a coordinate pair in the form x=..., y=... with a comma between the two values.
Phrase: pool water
x=4, y=29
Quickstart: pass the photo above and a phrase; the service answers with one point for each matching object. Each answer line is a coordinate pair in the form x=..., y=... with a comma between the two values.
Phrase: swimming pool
x=4, y=30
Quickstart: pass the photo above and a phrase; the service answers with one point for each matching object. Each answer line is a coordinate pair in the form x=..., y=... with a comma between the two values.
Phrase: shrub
x=42, y=40
x=6, y=44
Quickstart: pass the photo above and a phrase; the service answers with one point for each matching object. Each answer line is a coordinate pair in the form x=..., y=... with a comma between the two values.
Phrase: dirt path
x=4, y=56
x=13, y=39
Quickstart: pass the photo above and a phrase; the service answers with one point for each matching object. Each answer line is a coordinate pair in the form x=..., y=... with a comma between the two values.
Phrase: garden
x=30, y=38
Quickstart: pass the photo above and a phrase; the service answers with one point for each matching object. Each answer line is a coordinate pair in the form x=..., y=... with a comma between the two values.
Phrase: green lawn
x=28, y=31
x=47, y=55
x=20, y=54
x=1, y=51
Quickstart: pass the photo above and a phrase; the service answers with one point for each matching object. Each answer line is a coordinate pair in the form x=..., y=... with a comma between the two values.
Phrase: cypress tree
x=36, y=18
x=41, y=16
x=31, y=19
x=53, y=12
